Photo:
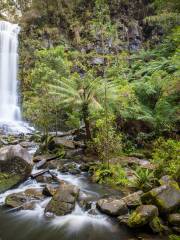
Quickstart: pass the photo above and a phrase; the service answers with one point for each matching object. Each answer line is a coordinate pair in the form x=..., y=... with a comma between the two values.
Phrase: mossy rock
x=174, y=219
x=157, y=225
x=166, y=197
x=63, y=201
x=15, y=166
x=24, y=199
x=142, y=216
x=7, y=181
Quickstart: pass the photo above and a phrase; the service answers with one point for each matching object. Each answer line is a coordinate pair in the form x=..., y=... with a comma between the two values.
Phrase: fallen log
x=37, y=174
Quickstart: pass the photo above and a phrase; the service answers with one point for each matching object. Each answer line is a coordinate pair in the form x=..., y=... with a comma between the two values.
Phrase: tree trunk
x=85, y=111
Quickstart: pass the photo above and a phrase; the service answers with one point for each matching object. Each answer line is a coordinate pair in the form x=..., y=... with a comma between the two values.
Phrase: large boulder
x=13, y=151
x=112, y=206
x=63, y=202
x=142, y=215
x=15, y=166
x=165, y=197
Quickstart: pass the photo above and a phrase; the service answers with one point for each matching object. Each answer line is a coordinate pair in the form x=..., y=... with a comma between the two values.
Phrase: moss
x=175, y=185
x=146, y=198
x=135, y=219
x=7, y=181
x=161, y=204
x=174, y=237
x=157, y=225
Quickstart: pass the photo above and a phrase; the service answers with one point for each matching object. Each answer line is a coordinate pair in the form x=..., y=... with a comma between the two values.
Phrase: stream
x=80, y=225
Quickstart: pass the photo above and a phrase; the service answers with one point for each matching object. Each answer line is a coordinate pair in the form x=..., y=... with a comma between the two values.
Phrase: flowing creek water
x=80, y=225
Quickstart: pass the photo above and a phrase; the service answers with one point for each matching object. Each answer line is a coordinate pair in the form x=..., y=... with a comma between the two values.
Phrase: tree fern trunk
x=85, y=111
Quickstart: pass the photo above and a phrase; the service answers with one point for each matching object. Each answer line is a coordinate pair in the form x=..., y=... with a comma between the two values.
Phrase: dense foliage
x=111, y=66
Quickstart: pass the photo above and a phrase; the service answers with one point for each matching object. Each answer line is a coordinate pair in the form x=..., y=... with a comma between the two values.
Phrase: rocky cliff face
x=75, y=25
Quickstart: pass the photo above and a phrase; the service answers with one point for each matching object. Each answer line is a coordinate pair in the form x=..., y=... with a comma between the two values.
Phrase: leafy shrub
x=113, y=174
x=144, y=180
x=174, y=237
x=108, y=142
x=166, y=157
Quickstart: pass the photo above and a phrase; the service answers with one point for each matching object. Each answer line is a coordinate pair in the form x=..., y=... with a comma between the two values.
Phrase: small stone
x=123, y=219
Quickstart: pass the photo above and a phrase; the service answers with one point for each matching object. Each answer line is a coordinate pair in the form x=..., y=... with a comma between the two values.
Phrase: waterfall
x=9, y=110
x=10, y=114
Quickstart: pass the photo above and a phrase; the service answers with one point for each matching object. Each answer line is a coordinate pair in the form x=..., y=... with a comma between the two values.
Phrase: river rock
x=158, y=226
x=85, y=200
x=112, y=206
x=165, y=180
x=174, y=219
x=15, y=166
x=97, y=61
x=34, y=193
x=58, y=142
x=27, y=144
x=75, y=153
x=13, y=151
x=132, y=161
x=133, y=200
x=74, y=171
x=176, y=229
x=123, y=219
x=50, y=190
x=39, y=158
x=24, y=200
x=84, y=167
x=45, y=179
x=165, y=197
x=63, y=202
x=142, y=215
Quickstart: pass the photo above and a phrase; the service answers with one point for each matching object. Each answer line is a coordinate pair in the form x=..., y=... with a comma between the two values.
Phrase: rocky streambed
x=54, y=198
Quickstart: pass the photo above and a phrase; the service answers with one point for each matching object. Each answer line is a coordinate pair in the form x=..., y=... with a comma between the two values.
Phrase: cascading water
x=9, y=110
x=10, y=114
